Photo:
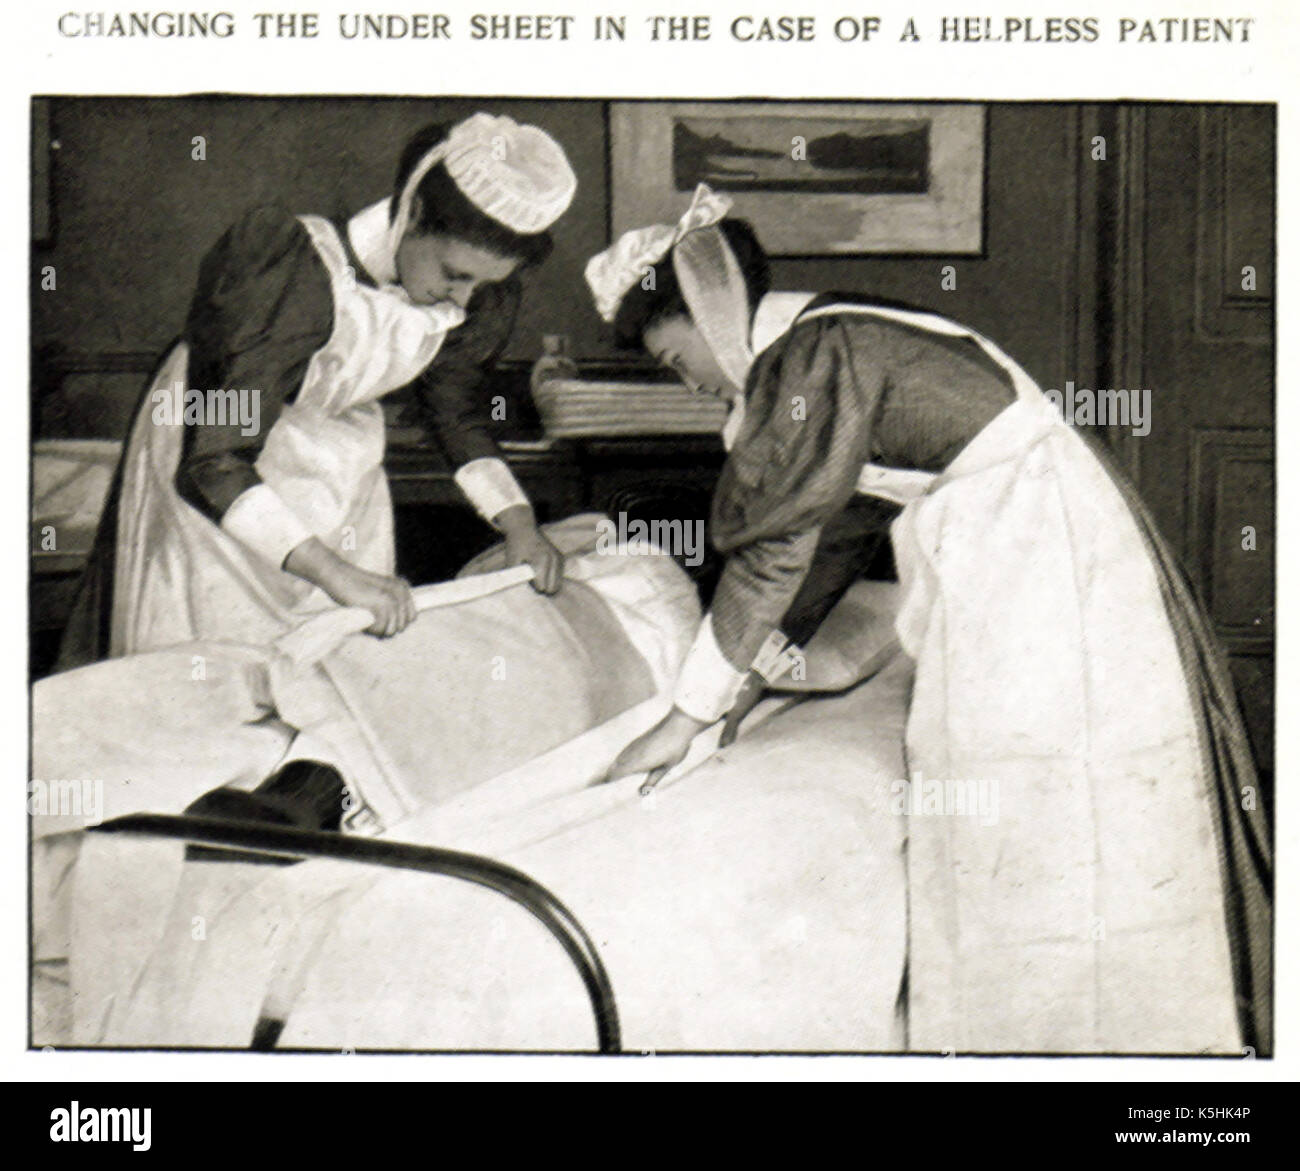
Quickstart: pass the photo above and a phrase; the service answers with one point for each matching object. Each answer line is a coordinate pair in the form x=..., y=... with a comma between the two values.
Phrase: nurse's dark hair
x=446, y=211
x=641, y=307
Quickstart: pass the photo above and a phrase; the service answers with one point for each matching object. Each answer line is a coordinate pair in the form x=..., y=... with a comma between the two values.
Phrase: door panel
x=1194, y=274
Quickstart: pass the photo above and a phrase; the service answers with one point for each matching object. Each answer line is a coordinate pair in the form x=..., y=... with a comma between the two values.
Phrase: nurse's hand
x=527, y=545
x=389, y=599
x=660, y=748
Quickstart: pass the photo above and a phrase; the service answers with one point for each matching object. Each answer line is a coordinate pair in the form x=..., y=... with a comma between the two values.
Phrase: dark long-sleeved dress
x=263, y=306
x=829, y=397
x=1118, y=899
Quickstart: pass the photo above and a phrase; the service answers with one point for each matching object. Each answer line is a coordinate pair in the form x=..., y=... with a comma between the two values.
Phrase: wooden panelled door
x=1192, y=318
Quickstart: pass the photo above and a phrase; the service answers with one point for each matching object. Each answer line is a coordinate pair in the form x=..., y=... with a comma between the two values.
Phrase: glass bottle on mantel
x=555, y=361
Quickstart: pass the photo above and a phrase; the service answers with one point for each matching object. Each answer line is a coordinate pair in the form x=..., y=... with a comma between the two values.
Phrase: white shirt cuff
x=707, y=684
x=490, y=485
x=260, y=520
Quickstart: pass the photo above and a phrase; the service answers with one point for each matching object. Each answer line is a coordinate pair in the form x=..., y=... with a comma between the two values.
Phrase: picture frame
x=814, y=179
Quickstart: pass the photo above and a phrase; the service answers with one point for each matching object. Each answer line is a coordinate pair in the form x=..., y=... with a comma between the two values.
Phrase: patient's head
x=658, y=318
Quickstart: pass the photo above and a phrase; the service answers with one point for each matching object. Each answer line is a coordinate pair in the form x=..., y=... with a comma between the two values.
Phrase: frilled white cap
x=610, y=274
x=519, y=175
x=708, y=274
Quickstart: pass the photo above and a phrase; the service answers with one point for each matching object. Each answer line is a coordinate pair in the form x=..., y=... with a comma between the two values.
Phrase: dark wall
x=133, y=214
x=1023, y=293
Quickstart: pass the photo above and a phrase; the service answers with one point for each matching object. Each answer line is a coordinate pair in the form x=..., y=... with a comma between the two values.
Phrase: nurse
x=1120, y=902
x=216, y=534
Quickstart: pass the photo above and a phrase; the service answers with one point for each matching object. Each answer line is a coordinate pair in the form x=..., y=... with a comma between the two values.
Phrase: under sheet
x=467, y=692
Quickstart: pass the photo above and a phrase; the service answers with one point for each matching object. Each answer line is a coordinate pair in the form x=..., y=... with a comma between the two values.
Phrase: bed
x=753, y=902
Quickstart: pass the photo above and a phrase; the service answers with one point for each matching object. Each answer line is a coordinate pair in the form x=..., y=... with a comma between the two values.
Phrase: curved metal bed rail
x=276, y=841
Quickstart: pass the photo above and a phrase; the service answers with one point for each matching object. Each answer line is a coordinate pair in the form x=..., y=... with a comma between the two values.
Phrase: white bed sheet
x=755, y=903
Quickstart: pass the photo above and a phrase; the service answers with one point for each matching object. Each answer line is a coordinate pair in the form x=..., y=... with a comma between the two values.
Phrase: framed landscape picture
x=813, y=178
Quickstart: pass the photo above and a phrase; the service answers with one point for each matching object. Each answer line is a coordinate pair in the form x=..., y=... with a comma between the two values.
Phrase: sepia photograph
x=660, y=576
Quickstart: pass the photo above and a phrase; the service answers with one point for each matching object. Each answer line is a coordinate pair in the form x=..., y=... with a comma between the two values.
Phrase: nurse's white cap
x=517, y=174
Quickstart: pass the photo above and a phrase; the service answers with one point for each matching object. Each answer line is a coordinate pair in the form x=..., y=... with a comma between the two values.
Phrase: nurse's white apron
x=1079, y=906
x=181, y=578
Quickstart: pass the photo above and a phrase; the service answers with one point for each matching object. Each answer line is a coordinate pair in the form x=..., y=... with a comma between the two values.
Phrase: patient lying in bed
x=467, y=691
x=760, y=905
